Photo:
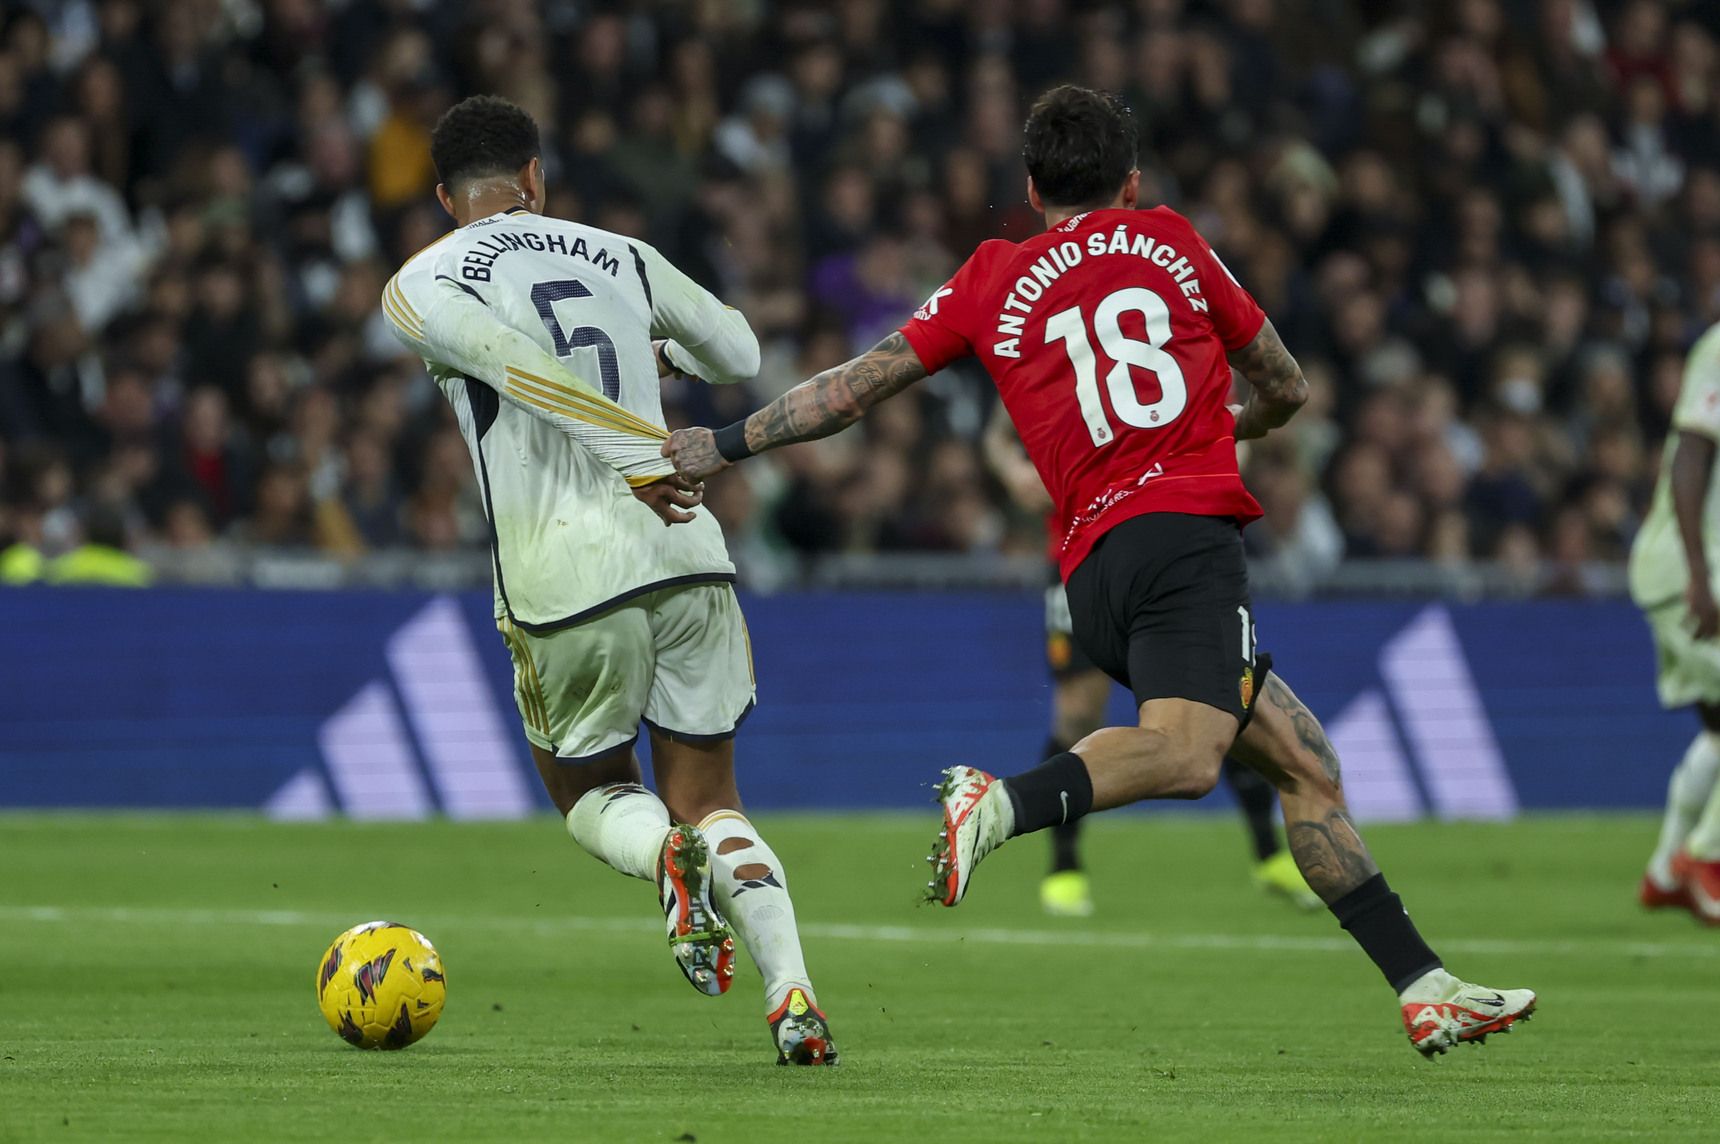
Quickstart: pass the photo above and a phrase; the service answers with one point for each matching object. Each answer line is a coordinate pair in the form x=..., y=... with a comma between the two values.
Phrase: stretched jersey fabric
x=538, y=331
x=1659, y=572
x=1106, y=337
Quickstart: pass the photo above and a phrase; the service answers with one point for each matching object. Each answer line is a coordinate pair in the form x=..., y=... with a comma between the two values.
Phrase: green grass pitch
x=156, y=983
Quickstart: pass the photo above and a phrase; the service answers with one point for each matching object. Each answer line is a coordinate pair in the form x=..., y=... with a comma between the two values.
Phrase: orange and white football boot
x=801, y=1031
x=703, y=946
x=978, y=817
x=1439, y=1011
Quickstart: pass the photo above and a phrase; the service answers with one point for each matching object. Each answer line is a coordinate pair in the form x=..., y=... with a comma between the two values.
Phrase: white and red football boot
x=1700, y=883
x=1439, y=1012
x=978, y=817
x=1654, y=896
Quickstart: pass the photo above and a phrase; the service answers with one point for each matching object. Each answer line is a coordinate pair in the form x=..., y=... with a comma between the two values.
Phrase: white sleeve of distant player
x=1698, y=408
x=445, y=324
x=707, y=339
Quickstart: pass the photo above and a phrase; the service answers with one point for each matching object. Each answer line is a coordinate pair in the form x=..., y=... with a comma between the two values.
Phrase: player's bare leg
x=611, y=814
x=749, y=887
x=1176, y=752
x=1285, y=743
x=1673, y=877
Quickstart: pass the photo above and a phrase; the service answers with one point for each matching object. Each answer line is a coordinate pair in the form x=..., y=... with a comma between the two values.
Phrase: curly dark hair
x=482, y=137
x=1079, y=146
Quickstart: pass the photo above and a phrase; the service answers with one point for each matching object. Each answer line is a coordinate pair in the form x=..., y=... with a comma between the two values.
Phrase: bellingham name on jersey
x=478, y=262
x=1107, y=338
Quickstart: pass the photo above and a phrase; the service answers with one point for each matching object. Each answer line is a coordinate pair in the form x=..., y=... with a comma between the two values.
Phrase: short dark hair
x=1079, y=145
x=482, y=137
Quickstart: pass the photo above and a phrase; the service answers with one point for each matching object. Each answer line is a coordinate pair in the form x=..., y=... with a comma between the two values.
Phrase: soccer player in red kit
x=1111, y=339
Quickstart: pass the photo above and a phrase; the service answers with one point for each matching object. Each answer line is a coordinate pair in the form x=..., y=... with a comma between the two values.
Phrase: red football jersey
x=1106, y=337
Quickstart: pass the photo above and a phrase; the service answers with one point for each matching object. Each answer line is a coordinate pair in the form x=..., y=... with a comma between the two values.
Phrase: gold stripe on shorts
x=531, y=690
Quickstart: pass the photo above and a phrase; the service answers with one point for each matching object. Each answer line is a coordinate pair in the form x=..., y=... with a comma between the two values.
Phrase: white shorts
x=1688, y=668
x=679, y=658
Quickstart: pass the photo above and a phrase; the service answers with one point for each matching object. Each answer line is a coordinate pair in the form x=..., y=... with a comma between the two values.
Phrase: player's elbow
x=737, y=350
x=1285, y=397
x=747, y=359
x=1692, y=462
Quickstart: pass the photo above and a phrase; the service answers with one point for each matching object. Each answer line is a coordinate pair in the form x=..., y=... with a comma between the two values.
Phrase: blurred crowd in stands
x=1488, y=228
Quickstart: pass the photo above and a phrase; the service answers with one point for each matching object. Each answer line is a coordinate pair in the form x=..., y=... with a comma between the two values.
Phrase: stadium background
x=1489, y=230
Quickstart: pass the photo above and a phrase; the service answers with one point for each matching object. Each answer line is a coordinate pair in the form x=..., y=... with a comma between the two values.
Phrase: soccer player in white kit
x=540, y=333
x=1672, y=579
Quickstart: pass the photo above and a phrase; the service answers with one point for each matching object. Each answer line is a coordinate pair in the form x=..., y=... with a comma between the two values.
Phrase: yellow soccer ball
x=381, y=986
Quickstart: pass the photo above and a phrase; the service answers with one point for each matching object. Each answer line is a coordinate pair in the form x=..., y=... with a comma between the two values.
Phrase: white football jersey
x=539, y=332
x=1659, y=572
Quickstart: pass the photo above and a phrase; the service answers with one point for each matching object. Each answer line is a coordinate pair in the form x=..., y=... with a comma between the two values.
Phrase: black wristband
x=732, y=442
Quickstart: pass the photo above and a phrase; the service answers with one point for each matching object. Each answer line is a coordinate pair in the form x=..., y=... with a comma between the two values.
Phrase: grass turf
x=156, y=983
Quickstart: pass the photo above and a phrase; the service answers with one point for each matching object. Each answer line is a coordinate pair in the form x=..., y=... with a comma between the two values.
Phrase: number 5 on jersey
x=544, y=296
x=1070, y=327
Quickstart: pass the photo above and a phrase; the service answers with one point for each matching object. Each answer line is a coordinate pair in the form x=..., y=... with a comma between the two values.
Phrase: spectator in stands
x=1489, y=230
x=103, y=558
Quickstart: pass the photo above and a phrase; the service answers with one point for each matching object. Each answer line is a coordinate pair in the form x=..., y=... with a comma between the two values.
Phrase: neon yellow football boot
x=1279, y=875
x=1067, y=894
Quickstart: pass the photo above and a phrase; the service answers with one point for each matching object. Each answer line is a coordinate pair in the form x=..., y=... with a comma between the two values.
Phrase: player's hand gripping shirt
x=1106, y=337
x=1658, y=570
x=539, y=332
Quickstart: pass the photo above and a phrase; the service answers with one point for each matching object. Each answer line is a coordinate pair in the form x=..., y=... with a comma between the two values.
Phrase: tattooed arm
x=830, y=402
x=1278, y=388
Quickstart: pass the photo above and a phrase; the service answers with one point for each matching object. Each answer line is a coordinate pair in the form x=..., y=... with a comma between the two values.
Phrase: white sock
x=622, y=824
x=1704, y=840
x=1691, y=789
x=757, y=907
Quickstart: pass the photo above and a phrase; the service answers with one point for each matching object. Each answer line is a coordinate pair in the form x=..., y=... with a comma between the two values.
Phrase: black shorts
x=1063, y=656
x=1161, y=605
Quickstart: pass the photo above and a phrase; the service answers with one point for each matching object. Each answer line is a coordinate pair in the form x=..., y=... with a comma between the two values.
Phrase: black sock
x=1056, y=791
x=1065, y=847
x=1065, y=839
x=1254, y=794
x=1377, y=920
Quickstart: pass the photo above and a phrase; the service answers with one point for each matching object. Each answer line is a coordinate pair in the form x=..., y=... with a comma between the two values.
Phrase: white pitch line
x=1071, y=938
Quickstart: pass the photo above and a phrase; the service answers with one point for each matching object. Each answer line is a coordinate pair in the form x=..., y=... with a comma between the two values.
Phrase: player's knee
x=1200, y=765
x=1202, y=773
